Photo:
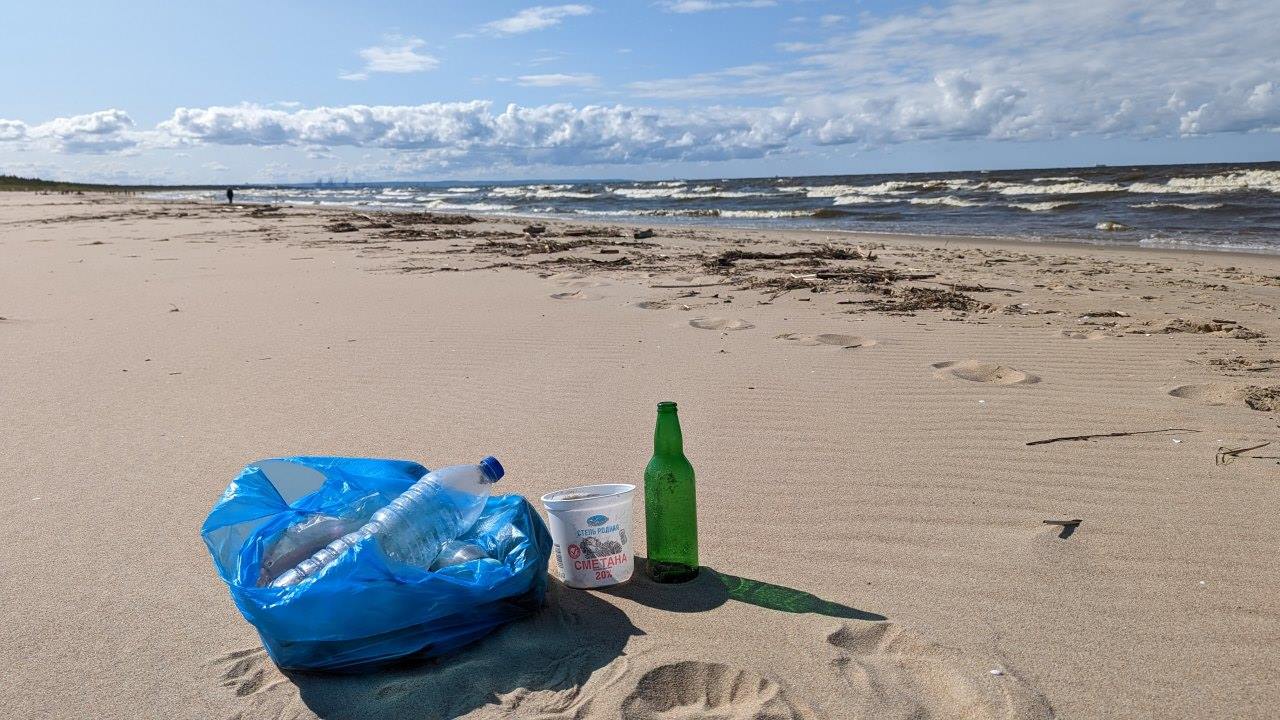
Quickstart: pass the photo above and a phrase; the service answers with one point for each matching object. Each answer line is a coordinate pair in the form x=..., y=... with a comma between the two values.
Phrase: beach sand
x=871, y=516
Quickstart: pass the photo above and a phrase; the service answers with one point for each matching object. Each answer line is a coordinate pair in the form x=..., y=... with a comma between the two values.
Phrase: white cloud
x=797, y=47
x=545, y=57
x=475, y=133
x=1020, y=70
x=758, y=79
x=538, y=17
x=559, y=80
x=97, y=132
x=697, y=6
x=215, y=166
x=12, y=130
x=396, y=55
x=830, y=20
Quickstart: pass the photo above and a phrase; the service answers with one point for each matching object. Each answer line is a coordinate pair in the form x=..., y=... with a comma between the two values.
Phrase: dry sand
x=869, y=508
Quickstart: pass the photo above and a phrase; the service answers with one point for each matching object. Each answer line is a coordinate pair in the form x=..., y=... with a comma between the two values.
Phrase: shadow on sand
x=711, y=589
x=553, y=652
x=541, y=661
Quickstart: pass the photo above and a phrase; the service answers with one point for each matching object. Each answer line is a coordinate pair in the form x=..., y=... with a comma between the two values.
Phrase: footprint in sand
x=1084, y=334
x=575, y=280
x=652, y=305
x=264, y=690
x=1265, y=399
x=894, y=673
x=693, y=689
x=981, y=372
x=574, y=295
x=720, y=323
x=847, y=342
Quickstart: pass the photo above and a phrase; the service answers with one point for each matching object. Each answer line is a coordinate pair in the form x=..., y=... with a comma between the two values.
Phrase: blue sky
x=291, y=91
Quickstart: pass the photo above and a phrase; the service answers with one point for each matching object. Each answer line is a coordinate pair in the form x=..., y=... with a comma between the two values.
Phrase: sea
x=1219, y=207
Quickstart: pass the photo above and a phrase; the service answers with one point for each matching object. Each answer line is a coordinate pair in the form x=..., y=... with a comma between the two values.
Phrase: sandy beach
x=858, y=409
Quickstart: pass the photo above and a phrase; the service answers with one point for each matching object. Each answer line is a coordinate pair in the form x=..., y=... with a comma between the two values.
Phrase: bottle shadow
x=540, y=661
x=711, y=589
x=553, y=652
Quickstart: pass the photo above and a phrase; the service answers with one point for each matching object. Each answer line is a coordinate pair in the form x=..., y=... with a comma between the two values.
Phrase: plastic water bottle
x=415, y=526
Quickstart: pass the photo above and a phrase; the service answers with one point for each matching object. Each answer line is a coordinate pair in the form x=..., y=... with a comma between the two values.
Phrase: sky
x=236, y=92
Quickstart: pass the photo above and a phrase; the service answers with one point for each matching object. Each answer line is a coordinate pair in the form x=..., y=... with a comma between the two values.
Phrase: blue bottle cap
x=492, y=468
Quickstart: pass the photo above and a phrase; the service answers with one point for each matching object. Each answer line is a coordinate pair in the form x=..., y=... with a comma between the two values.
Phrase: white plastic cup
x=591, y=529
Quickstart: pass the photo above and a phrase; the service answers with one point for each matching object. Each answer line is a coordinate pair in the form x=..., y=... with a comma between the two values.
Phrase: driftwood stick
x=681, y=287
x=1223, y=454
x=961, y=287
x=1064, y=523
x=1106, y=435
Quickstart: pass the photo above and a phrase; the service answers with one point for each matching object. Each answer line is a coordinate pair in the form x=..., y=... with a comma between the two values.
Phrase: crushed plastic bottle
x=414, y=527
x=299, y=542
x=457, y=552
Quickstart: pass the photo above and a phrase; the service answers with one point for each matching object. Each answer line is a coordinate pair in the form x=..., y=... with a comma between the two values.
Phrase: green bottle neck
x=667, y=439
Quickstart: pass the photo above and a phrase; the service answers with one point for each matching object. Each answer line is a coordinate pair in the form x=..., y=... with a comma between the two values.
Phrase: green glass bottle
x=671, y=505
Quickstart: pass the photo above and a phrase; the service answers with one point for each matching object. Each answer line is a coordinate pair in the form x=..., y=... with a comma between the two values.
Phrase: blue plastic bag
x=362, y=609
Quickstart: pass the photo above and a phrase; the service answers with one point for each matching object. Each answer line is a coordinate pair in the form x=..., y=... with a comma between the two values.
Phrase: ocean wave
x=541, y=191
x=463, y=189
x=1201, y=244
x=885, y=188
x=1183, y=206
x=949, y=200
x=778, y=213
x=469, y=207
x=1045, y=206
x=1241, y=180
x=642, y=193
x=679, y=194
x=641, y=213
x=1058, y=178
x=858, y=200
x=714, y=212
x=1066, y=188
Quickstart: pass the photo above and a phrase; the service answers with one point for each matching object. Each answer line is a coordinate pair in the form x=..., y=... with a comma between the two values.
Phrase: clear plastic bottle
x=416, y=525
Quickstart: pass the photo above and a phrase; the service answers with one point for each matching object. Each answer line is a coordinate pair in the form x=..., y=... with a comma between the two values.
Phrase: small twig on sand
x=1225, y=456
x=961, y=287
x=1068, y=527
x=1106, y=435
x=681, y=287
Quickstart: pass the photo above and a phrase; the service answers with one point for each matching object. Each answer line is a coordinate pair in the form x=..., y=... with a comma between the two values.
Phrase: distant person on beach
x=231, y=195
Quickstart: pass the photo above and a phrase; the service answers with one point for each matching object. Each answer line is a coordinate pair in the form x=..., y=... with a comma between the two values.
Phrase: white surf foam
x=541, y=191
x=1184, y=206
x=766, y=213
x=949, y=200
x=1065, y=188
x=858, y=200
x=1243, y=180
x=706, y=192
x=1042, y=206
x=469, y=207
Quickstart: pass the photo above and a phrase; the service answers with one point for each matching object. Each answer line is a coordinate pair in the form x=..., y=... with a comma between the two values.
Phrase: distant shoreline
x=934, y=239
